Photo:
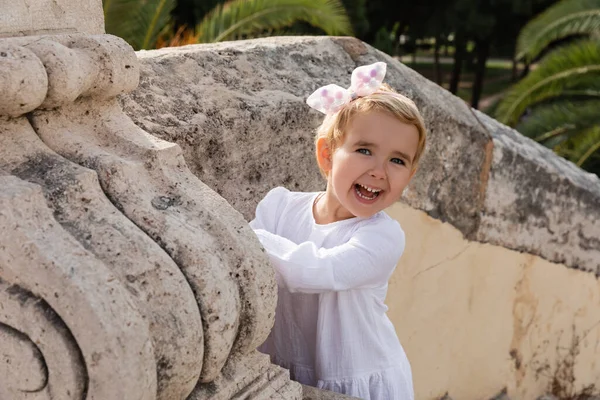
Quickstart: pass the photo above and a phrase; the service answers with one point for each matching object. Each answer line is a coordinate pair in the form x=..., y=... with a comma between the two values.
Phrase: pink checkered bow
x=365, y=81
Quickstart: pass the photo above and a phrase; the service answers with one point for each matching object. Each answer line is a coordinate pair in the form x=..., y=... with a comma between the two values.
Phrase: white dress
x=331, y=329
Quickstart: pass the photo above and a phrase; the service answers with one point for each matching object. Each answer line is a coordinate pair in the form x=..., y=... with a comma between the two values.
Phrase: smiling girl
x=334, y=251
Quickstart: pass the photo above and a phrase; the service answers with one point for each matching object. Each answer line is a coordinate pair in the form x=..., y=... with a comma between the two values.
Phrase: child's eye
x=366, y=152
x=397, y=161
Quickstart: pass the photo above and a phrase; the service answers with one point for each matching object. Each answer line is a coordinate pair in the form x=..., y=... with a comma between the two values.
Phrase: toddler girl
x=334, y=251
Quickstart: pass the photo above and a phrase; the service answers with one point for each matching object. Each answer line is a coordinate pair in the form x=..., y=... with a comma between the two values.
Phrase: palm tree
x=141, y=23
x=558, y=103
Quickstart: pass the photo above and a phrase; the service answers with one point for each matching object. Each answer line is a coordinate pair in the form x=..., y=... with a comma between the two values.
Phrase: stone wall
x=476, y=318
x=37, y=17
x=237, y=110
x=122, y=275
x=500, y=271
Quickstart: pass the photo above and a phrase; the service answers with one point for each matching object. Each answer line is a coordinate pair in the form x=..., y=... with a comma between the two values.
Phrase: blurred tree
x=557, y=103
x=239, y=19
x=386, y=14
x=189, y=13
x=138, y=22
x=478, y=28
x=141, y=22
x=357, y=12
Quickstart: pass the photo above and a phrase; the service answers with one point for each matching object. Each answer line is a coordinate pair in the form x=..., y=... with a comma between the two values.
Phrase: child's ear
x=324, y=155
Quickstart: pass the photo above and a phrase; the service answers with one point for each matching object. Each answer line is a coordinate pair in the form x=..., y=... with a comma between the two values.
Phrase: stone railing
x=122, y=276
x=503, y=247
x=238, y=111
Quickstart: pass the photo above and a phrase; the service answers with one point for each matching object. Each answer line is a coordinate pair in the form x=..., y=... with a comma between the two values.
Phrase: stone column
x=122, y=276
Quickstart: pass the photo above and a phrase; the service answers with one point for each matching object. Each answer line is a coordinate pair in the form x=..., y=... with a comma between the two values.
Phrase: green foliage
x=564, y=19
x=557, y=103
x=386, y=40
x=115, y=16
x=138, y=22
x=246, y=18
x=357, y=12
x=190, y=12
x=583, y=148
x=565, y=69
x=560, y=118
x=571, y=128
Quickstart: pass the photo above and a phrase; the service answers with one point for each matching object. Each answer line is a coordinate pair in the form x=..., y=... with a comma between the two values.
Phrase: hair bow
x=365, y=81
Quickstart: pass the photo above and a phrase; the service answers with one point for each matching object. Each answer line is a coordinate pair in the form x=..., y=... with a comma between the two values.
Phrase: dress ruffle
x=394, y=383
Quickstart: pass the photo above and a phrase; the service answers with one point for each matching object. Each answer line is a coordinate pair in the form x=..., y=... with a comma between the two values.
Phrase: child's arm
x=366, y=260
x=267, y=210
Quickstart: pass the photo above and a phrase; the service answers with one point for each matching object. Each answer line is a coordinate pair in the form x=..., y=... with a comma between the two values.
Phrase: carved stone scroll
x=147, y=179
x=154, y=282
x=39, y=257
x=122, y=276
x=34, y=342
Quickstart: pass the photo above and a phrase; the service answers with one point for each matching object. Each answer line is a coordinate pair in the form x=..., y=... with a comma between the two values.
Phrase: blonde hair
x=386, y=100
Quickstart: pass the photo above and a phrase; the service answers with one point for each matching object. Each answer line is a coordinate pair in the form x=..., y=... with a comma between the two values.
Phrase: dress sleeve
x=367, y=260
x=268, y=210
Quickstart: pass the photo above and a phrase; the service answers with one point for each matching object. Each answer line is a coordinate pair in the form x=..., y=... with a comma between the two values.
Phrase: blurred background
x=531, y=64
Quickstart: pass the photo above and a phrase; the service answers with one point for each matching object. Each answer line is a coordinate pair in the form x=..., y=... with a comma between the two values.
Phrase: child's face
x=370, y=169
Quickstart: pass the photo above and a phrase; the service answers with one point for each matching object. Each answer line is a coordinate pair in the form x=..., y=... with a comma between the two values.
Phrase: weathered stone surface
x=153, y=280
x=147, y=180
x=23, y=80
x=237, y=109
x=311, y=393
x=39, y=257
x=124, y=202
x=27, y=17
x=539, y=203
x=250, y=377
x=38, y=353
x=51, y=71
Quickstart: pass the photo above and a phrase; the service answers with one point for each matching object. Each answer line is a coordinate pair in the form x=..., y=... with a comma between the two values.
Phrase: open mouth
x=366, y=192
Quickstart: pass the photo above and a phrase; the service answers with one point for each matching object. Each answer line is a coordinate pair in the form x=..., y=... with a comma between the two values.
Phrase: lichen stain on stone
x=524, y=313
x=354, y=47
x=164, y=202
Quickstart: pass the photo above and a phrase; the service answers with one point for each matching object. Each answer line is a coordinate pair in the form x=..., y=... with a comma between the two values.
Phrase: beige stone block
x=476, y=318
x=51, y=71
x=251, y=376
x=154, y=282
x=30, y=17
x=23, y=80
x=311, y=393
x=147, y=179
x=37, y=256
x=38, y=353
x=238, y=111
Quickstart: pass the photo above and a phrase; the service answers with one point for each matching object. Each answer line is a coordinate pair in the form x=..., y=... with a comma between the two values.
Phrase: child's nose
x=378, y=171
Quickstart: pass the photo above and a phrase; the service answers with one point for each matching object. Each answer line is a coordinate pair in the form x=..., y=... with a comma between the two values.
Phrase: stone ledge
x=311, y=393
x=51, y=71
x=237, y=109
x=539, y=203
x=28, y=17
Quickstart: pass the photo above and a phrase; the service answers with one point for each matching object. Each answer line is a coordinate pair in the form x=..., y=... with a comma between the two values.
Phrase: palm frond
x=246, y=18
x=181, y=37
x=580, y=148
x=561, y=70
x=565, y=18
x=560, y=118
x=117, y=16
x=151, y=19
x=138, y=22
